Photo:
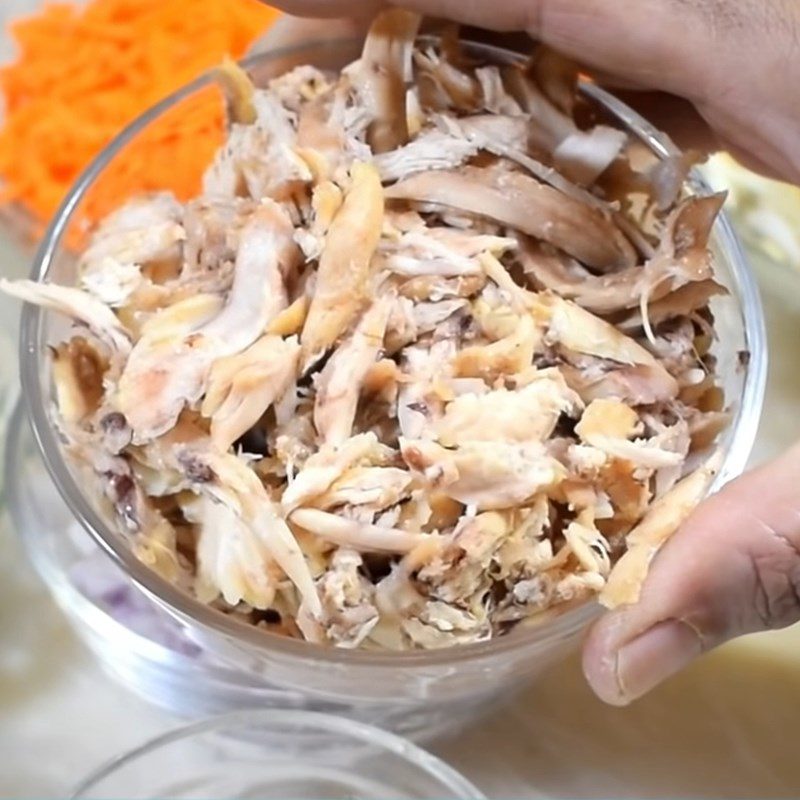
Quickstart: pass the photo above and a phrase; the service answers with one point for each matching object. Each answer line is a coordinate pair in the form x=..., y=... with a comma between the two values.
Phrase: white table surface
x=725, y=728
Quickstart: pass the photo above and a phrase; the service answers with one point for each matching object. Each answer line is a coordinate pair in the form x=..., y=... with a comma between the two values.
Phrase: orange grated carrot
x=85, y=72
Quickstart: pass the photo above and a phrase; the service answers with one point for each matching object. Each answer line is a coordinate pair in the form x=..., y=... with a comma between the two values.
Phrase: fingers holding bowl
x=733, y=569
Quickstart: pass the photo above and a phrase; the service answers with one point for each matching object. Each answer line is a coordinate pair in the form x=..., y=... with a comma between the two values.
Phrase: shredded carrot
x=84, y=72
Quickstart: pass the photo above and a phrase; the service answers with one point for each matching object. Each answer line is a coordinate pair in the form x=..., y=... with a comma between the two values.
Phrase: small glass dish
x=278, y=755
x=415, y=691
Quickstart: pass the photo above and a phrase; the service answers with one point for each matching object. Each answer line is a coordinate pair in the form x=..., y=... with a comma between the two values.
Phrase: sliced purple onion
x=107, y=587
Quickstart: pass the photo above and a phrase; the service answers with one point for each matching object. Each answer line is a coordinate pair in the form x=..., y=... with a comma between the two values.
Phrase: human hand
x=735, y=64
x=734, y=567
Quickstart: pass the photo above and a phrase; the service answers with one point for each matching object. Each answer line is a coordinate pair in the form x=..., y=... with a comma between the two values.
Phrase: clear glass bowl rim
x=325, y=723
x=187, y=608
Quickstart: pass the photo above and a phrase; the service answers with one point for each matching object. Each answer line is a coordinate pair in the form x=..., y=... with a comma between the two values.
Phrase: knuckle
x=776, y=586
x=534, y=18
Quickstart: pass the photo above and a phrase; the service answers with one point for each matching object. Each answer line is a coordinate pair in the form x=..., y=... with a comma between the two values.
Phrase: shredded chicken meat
x=408, y=372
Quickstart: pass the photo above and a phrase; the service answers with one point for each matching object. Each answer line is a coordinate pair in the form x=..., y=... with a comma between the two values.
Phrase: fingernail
x=652, y=657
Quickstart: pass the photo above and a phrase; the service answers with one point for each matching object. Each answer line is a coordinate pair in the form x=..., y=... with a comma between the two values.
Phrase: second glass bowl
x=278, y=755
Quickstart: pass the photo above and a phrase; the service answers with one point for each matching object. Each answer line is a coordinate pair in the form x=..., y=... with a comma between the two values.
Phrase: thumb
x=734, y=568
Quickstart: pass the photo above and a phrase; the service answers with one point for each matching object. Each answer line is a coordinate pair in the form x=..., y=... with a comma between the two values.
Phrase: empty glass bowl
x=412, y=691
x=278, y=755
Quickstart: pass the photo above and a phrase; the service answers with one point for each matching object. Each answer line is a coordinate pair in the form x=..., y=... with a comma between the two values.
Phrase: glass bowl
x=411, y=691
x=278, y=755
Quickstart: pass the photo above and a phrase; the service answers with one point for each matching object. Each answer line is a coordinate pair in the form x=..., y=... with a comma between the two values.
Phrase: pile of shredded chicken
x=426, y=359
